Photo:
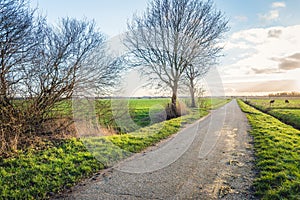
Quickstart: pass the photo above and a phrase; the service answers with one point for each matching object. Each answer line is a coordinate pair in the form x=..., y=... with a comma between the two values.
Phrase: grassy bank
x=36, y=174
x=111, y=149
x=277, y=150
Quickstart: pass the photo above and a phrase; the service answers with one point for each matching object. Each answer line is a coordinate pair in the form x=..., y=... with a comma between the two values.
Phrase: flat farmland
x=288, y=113
x=141, y=109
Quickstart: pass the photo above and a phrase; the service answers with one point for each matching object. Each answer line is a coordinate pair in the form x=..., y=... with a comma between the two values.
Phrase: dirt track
x=211, y=159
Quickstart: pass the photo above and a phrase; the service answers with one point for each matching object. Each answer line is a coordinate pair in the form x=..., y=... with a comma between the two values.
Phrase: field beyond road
x=284, y=109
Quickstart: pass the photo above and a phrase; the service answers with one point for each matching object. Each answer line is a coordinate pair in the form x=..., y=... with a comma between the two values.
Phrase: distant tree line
x=285, y=94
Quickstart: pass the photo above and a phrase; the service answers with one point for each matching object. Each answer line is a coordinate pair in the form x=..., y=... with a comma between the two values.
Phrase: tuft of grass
x=277, y=155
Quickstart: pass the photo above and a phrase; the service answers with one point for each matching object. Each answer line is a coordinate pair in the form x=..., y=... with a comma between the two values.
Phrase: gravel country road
x=210, y=159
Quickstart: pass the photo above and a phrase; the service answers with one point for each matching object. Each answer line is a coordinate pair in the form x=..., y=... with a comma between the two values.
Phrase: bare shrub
x=181, y=109
x=40, y=66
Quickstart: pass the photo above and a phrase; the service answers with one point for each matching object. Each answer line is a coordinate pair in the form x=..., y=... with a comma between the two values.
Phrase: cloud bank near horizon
x=264, y=52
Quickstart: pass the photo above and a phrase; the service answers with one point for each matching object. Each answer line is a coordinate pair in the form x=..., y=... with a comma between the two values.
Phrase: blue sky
x=110, y=15
x=262, y=48
x=247, y=14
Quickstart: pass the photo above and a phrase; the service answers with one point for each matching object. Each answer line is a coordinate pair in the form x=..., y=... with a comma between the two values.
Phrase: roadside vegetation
x=277, y=152
x=143, y=112
x=288, y=113
x=35, y=174
x=57, y=164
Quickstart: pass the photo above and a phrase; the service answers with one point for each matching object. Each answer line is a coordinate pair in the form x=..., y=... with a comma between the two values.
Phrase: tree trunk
x=173, y=105
x=192, y=91
x=173, y=110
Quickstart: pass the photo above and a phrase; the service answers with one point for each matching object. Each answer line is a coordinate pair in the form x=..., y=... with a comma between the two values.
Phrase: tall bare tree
x=171, y=35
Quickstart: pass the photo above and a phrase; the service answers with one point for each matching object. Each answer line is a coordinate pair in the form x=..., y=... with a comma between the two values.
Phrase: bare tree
x=71, y=57
x=17, y=43
x=100, y=73
x=196, y=71
x=170, y=36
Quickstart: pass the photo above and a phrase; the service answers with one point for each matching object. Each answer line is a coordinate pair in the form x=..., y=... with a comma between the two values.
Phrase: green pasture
x=277, y=152
x=114, y=113
x=36, y=174
x=279, y=103
x=288, y=113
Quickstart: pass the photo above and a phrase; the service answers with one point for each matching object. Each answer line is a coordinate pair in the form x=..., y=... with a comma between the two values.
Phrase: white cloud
x=271, y=15
x=241, y=18
x=274, y=13
x=278, y=5
x=274, y=33
x=237, y=45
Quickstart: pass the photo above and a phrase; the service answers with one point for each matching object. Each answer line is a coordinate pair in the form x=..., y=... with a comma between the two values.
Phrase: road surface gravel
x=210, y=159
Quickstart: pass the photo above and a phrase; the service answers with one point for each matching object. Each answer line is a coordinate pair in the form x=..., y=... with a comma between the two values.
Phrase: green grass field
x=37, y=173
x=140, y=108
x=143, y=112
x=288, y=113
x=108, y=112
x=277, y=151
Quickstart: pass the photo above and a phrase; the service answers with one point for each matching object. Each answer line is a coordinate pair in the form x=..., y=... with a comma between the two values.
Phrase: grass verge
x=277, y=150
x=288, y=116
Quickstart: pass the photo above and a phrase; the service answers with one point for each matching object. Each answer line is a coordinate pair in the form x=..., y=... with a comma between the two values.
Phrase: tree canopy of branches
x=60, y=56
x=17, y=43
x=170, y=36
x=41, y=65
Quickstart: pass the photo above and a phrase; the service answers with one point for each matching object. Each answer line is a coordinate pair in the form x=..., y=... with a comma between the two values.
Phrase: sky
x=261, y=50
